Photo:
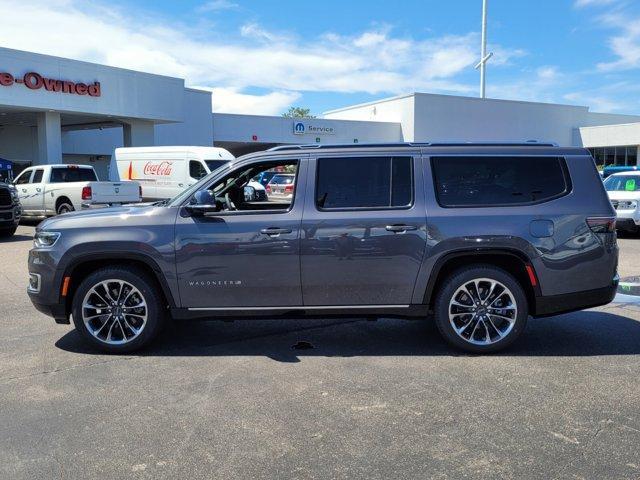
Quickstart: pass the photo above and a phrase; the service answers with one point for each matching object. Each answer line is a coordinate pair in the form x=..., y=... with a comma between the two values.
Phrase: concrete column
x=49, y=148
x=138, y=133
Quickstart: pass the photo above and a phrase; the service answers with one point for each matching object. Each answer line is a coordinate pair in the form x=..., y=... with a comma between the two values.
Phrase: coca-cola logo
x=163, y=169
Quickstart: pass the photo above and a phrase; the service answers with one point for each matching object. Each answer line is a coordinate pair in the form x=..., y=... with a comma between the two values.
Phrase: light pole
x=482, y=64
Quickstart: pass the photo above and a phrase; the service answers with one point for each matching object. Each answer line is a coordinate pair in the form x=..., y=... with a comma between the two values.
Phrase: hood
x=624, y=195
x=104, y=217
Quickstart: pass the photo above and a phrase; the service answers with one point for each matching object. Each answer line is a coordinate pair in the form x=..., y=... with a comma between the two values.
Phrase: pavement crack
x=64, y=369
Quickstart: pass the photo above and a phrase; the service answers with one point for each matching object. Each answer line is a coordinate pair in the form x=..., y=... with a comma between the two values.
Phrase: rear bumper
x=570, y=302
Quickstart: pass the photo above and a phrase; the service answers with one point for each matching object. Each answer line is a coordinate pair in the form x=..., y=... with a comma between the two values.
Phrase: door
x=363, y=230
x=34, y=200
x=247, y=254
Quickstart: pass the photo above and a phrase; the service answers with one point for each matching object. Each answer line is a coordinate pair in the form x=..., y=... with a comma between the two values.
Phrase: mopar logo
x=299, y=128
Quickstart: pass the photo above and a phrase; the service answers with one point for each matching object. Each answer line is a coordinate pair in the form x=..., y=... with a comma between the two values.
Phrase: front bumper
x=47, y=298
x=10, y=217
x=570, y=302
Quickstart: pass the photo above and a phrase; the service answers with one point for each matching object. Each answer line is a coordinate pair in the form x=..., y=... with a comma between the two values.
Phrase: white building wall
x=610, y=135
x=397, y=109
x=124, y=93
x=18, y=143
x=433, y=118
x=267, y=129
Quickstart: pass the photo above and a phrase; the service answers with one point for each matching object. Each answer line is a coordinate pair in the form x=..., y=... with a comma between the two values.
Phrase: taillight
x=602, y=224
x=86, y=193
x=268, y=188
x=140, y=190
x=288, y=189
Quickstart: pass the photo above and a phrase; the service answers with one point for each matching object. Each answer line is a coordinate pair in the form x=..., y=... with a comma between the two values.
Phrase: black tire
x=64, y=206
x=8, y=232
x=155, y=307
x=511, y=328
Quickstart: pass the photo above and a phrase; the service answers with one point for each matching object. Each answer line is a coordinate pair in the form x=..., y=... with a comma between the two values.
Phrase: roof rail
x=317, y=146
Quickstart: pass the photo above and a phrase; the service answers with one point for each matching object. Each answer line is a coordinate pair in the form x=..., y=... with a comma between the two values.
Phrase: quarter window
x=496, y=181
x=364, y=182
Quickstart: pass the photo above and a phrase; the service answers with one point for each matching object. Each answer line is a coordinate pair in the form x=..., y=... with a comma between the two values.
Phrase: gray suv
x=478, y=236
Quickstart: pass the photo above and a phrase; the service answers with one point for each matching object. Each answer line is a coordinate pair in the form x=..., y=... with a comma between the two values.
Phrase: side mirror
x=249, y=194
x=202, y=203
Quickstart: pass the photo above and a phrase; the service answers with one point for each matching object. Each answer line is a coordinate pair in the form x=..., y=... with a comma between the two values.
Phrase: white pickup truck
x=48, y=190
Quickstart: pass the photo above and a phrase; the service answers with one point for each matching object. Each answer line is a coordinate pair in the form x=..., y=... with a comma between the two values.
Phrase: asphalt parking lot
x=383, y=399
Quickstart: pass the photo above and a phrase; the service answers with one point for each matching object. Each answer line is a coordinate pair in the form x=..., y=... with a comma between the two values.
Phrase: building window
x=615, y=156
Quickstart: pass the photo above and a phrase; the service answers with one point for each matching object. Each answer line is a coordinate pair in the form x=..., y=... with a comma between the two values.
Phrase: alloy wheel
x=482, y=311
x=114, y=311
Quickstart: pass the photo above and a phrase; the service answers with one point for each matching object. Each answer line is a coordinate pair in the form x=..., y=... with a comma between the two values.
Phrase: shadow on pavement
x=589, y=333
x=16, y=238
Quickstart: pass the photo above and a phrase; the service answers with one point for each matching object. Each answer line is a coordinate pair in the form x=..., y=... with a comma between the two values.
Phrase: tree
x=298, y=112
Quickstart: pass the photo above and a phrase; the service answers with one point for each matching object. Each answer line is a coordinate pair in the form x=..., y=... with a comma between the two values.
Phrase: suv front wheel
x=481, y=309
x=118, y=309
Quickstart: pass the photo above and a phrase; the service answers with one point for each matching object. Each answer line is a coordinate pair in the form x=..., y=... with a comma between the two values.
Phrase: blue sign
x=299, y=128
x=5, y=164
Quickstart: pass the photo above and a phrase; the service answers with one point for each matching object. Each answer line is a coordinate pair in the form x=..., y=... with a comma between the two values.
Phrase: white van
x=164, y=172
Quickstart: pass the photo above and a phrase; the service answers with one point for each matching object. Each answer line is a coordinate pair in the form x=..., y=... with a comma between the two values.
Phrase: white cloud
x=217, y=5
x=625, y=45
x=374, y=61
x=229, y=100
x=593, y=3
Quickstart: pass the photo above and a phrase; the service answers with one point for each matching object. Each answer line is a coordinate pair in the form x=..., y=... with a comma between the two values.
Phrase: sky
x=261, y=57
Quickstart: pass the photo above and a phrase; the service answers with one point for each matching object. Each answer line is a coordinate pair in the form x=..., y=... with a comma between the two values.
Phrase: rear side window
x=72, y=174
x=498, y=181
x=37, y=176
x=364, y=182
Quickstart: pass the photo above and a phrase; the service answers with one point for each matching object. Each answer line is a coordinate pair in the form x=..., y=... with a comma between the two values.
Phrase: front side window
x=72, y=174
x=23, y=178
x=364, y=183
x=498, y=181
x=196, y=169
x=239, y=191
x=622, y=183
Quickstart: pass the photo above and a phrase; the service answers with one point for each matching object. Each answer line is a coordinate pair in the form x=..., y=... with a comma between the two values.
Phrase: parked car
x=48, y=190
x=624, y=192
x=164, y=172
x=10, y=210
x=612, y=169
x=281, y=185
x=264, y=177
x=481, y=237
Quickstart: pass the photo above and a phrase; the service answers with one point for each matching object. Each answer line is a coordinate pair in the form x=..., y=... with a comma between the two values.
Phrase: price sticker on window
x=630, y=185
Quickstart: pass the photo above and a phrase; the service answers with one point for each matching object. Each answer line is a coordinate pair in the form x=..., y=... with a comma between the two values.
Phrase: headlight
x=45, y=239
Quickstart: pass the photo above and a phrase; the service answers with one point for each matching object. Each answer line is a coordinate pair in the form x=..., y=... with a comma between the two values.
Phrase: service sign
x=36, y=81
x=303, y=127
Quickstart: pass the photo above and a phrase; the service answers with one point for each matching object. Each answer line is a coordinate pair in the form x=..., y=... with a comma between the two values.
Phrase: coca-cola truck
x=164, y=172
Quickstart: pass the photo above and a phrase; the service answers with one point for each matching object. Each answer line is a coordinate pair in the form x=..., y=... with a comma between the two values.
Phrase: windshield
x=622, y=183
x=216, y=164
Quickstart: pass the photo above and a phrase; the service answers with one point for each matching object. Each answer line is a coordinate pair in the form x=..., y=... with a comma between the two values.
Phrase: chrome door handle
x=38, y=189
x=274, y=231
x=400, y=228
x=24, y=190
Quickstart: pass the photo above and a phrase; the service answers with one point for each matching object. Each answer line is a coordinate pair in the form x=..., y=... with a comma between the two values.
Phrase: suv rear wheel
x=118, y=309
x=481, y=309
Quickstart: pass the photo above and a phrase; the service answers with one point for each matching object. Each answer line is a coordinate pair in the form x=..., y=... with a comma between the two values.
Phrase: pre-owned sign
x=35, y=81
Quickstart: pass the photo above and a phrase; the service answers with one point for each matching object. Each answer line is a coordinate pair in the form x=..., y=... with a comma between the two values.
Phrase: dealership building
x=55, y=110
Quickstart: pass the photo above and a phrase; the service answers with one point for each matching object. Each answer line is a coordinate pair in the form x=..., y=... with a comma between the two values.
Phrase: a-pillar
x=49, y=149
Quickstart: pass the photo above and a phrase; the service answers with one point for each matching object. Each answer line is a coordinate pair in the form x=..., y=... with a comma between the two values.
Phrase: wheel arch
x=512, y=261
x=86, y=264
